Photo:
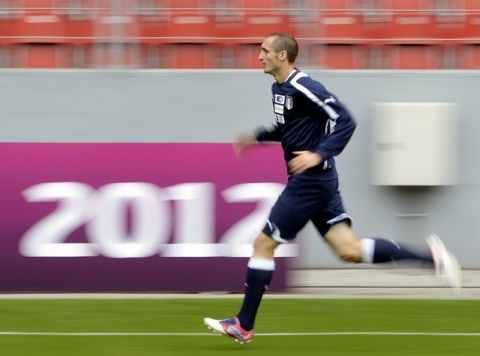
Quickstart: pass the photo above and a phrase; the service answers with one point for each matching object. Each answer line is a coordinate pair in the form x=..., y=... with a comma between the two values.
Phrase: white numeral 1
x=195, y=219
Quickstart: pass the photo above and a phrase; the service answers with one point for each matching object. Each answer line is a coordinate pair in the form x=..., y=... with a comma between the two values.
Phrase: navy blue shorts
x=305, y=199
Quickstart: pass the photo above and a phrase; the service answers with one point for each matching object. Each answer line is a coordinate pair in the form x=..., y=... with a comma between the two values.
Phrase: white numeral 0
x=150, y=220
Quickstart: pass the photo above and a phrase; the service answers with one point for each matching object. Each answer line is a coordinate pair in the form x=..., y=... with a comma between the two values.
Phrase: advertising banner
x=134, y=217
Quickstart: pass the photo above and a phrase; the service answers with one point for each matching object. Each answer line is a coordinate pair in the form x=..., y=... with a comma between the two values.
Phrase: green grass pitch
x=284, y=327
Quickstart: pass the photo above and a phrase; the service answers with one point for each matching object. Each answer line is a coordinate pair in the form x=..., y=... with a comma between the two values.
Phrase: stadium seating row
x=201, y=56
x=137, y=21
x=185, y=27
x=339, y=34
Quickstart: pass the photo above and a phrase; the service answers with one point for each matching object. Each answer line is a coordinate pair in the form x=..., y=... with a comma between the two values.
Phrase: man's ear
x=283, y=55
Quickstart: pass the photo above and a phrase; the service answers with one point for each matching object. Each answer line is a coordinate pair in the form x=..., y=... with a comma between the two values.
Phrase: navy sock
x=390, y=251
x=257, y=282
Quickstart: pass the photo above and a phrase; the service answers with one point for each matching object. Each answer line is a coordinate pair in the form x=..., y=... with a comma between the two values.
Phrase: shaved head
x=285, y=42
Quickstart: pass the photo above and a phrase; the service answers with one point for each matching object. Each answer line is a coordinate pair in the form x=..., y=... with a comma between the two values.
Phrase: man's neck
x=283, y=74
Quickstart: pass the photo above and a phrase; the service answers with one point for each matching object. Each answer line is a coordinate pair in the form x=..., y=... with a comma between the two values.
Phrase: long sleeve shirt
x=308, y=118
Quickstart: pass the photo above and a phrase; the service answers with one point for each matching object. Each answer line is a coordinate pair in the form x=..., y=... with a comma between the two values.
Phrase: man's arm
x=341, y=130
x=245, y=140
x=271, y=133
x=340, y=124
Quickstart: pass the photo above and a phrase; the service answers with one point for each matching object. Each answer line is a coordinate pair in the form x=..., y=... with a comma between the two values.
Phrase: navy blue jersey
x=308, y=118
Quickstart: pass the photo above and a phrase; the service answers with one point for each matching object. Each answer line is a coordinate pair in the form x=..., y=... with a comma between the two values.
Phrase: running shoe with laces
x=446, y=265
x=231, y=328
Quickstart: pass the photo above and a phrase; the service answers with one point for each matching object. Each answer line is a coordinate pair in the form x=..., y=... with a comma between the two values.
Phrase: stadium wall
x=207, y=107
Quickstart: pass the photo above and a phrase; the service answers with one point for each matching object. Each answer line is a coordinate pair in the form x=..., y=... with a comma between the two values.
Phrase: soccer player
x=313, y=126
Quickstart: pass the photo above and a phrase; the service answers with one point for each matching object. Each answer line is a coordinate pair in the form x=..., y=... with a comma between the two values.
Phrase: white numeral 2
x=46, y=237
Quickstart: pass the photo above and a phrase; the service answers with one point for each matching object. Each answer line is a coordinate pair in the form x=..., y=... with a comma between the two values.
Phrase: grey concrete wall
x=209, y=106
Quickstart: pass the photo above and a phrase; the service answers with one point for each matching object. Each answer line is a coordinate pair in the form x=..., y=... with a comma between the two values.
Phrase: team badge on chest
x=279, y=99
x=289, y=102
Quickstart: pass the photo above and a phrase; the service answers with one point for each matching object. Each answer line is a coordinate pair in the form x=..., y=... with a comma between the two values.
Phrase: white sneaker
x=447, y=267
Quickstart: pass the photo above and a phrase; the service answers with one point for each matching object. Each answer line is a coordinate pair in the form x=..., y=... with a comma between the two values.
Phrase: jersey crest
x=279, y=99
x=289, y=102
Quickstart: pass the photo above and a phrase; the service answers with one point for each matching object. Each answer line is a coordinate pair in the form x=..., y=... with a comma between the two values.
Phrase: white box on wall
x=415, y=144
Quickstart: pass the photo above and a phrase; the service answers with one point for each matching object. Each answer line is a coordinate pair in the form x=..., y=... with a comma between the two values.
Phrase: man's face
x=268, y=57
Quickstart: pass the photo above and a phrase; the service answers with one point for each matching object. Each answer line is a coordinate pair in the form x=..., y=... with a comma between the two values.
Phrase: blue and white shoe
x=447, y=267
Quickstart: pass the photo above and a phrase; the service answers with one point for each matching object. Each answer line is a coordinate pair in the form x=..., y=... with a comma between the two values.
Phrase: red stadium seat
x=191, y=27
x=41, y=22
x=41, y=27
x=399, y=22
x=330, y=22
x=257, y=25
x=451, y=29
x=179, y=27
x=338, y=56
x=450, y=21
x=337, y=5
x=5, y=56
x=80, y=31
x=413, y=57
x=187, y=4
x=471, y=5
x=82, y=25
x=180, y=56
x=81, y=56
x=472, y=28
x=412, y=22
x=475, y=57
x=243, y=56
x=413, y=29
x=195, y=56
x=177, y=36
x=108, y=55
x=153, y=27
x=252, y=27
x=411, y=6
x=44, y=56
x=468, y=57
x=8, y=29
x=377, y=30
x=341, y=28
x=272, y=5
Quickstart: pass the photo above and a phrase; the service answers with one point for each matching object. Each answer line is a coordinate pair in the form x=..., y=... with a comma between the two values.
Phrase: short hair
x=285, y=42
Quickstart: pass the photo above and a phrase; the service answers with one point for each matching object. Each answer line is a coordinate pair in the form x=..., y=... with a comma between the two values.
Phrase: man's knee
x=264, y=246
x=350, y=252
x=344, y=243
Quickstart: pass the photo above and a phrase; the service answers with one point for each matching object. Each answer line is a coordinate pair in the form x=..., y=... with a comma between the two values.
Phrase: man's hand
x=243, y=141
x=303, y=161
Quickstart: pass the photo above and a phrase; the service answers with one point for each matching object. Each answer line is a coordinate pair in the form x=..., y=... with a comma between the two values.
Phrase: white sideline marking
x=340, y=333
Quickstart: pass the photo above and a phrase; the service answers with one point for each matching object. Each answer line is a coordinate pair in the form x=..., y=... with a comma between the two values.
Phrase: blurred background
x=334, y=34
x=98, y=93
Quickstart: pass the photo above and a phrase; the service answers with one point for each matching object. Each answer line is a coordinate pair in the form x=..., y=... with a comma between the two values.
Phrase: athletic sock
x=259, y=275
x=378, y=250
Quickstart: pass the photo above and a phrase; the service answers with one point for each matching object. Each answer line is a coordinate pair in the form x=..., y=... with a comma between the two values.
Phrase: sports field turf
x=284, y=327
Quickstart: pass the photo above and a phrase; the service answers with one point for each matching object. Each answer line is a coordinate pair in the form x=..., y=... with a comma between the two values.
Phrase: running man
x=313, y=126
